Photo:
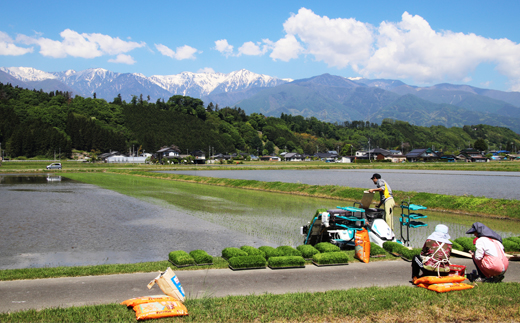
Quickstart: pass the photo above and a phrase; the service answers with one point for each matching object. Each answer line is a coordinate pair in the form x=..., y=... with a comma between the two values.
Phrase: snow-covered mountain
x=108, y=85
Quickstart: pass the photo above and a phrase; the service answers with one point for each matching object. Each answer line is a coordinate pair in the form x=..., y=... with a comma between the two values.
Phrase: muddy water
x=64, y=223
x=57, y=221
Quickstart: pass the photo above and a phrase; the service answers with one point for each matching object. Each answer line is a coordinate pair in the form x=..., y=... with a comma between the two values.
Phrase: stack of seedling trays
x=285, y=257
x=246, y=257
x=181, y=258
x=330, y=255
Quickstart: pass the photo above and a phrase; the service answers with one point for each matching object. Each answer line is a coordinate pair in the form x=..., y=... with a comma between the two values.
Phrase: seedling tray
x=180, y=266
x=377, y=256
x=286, y=267
x=246, y=268
x=325, y=265
x=207, y=264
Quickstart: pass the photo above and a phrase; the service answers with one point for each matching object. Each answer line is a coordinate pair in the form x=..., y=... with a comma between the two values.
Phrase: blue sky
x=418, y=42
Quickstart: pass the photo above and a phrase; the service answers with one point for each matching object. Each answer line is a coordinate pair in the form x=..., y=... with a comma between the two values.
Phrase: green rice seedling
x=252, y=251
x=466, y=243
x=510, y=245
x=307, y=250
x=181, y=258
x=271, y=252
x=515, y=239
x=242, y=262
x=286, y=261
x=392, y=246
x=201, y=257
x=409, y=254
x=231, y=252
x=330, y=258
x=324, y=247
x=456, y=246
x=376, y=250
x=289, y=251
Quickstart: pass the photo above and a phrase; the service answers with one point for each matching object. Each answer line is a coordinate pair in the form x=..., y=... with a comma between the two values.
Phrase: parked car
x=54, y=166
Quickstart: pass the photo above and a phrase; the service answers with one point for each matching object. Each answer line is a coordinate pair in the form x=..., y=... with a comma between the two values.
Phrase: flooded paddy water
x=97, y=218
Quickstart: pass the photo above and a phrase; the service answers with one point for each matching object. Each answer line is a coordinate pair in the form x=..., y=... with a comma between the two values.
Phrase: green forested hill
x=37, y=123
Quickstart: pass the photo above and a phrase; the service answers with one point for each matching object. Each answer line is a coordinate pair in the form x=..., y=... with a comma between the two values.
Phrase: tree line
x=36, y=123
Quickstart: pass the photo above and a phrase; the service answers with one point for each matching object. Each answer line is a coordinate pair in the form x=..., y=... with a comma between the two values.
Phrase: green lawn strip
x=96, y=270
x=485, y=303
x=462, y=204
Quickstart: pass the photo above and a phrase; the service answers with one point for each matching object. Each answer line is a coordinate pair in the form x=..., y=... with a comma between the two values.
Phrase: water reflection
x=93, y=225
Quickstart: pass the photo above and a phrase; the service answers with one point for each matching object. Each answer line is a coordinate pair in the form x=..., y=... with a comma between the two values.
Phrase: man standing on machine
x=386, y=198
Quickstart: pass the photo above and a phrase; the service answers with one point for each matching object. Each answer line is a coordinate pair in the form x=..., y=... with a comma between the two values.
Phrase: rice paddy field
x=268, y=216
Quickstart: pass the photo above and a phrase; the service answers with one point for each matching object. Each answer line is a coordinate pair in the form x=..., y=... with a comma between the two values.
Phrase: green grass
x=54, y=272
x=485, y=303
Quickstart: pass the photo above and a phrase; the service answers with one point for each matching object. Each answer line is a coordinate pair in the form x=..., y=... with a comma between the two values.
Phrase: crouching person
x=435, y=255
x=489, y=257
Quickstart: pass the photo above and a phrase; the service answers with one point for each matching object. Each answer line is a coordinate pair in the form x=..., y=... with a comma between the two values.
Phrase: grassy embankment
x=502, y=208
x=484, y=303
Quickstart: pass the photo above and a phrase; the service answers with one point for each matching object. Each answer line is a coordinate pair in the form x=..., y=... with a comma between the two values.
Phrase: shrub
x=271, y=252
x=376, y=250
x=181, y=258
x=510, y=245
x=231, y=252
x=286, y=261
x=289, y=251
x=324, y=247
x=252, y=251
x=466, y=243
x=330, y=258
x=201, y=257
x=455, y=245
x=307, y=250
x=239, y=262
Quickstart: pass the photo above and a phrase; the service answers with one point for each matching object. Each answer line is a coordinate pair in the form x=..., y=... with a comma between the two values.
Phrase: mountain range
x=326, y=97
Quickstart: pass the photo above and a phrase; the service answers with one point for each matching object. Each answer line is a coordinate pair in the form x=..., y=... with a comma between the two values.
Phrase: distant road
x=488, y=184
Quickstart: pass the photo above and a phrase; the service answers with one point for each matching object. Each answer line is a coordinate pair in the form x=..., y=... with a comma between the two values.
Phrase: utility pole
x=369, y=160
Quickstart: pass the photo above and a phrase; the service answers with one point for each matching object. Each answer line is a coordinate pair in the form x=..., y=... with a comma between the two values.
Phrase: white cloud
x=184, y=52
x=80, y=45
x=207, y=70
x=223, y=47
x=8, y=48
x=123, y=59
x=411, y=49
x=286, y=49
x=252, y=49
x=337, y=42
